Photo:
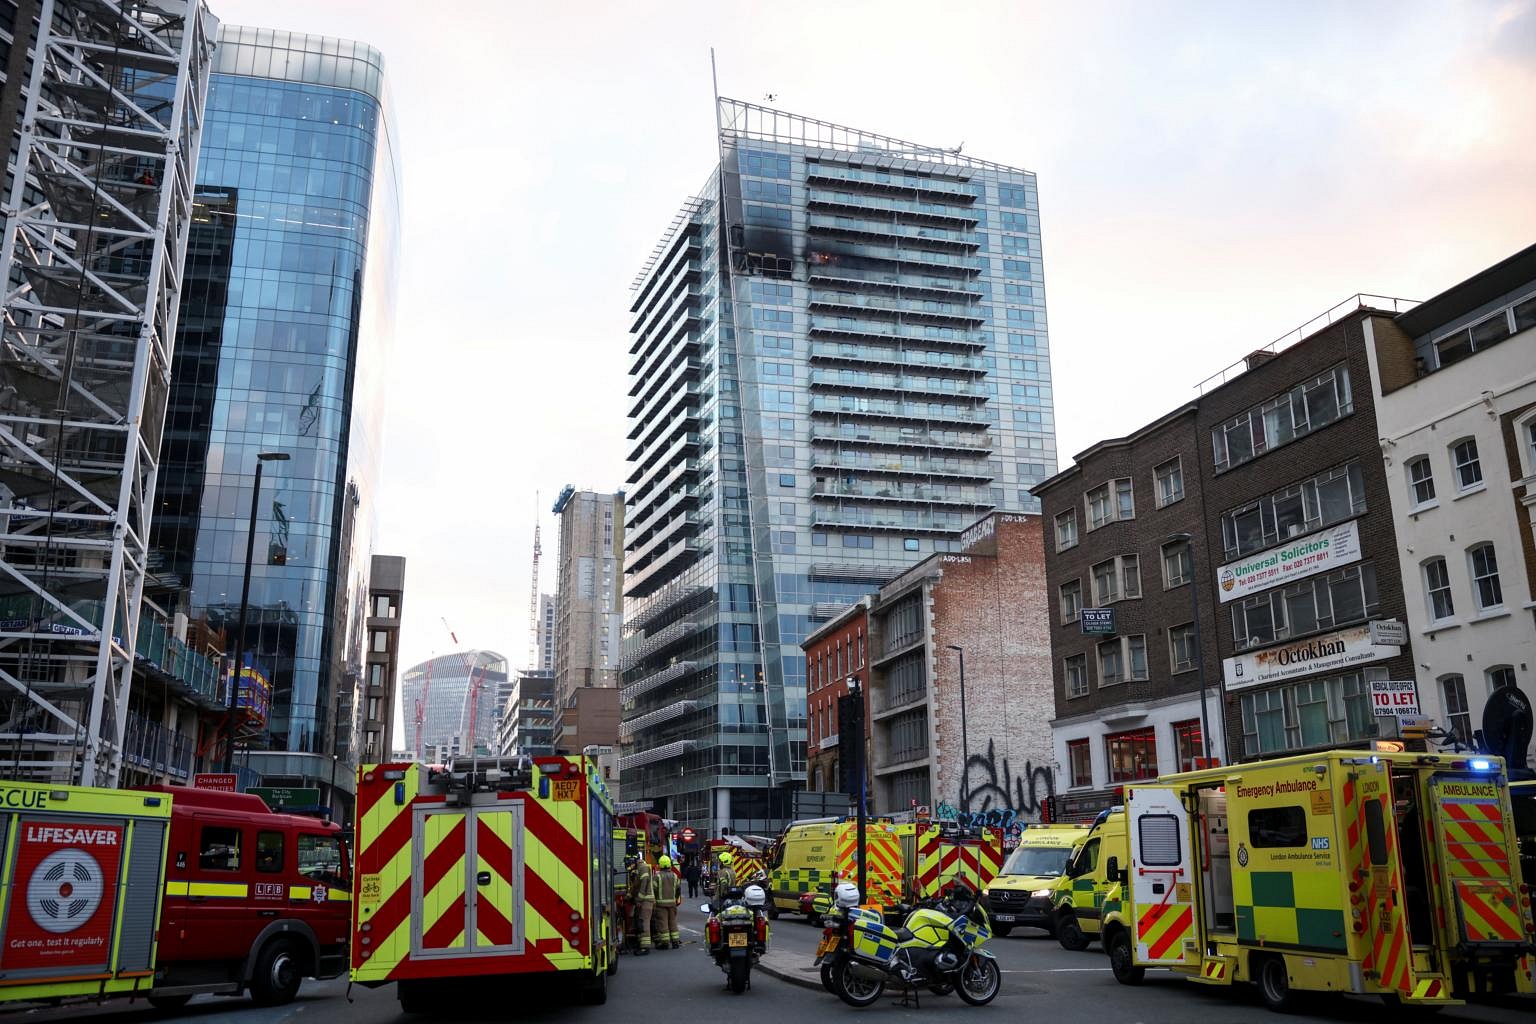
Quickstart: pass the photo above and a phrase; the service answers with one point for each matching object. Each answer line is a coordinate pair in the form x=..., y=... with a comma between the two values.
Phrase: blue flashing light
x=1480, y=764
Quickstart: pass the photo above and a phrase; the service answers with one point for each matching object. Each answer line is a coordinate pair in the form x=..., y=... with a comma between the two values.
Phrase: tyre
x=1275, y=984
x=741, y=974
x=979, y=981
x=594, y=991
x=1069, y=933
x=829, y=974
x=277, y=976
x=855, y=990
x=412, y=997
x=814, y=919
x=1121, y=962
x=169, y=1004
x=1002, y=931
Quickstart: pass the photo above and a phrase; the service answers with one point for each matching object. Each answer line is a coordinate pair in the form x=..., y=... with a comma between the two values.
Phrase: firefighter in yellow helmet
x=669, y=893
x=642, y=883
x=725, y=878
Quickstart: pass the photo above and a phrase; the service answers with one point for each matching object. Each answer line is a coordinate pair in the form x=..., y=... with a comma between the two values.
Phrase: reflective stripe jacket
x=645, y=885
x=668, y=892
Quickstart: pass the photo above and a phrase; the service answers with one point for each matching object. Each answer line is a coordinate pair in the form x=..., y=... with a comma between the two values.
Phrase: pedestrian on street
x=643, y=881
x=691, y=873
x=669, y=893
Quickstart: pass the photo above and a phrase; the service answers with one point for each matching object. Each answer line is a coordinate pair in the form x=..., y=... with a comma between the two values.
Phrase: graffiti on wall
x=992, y=796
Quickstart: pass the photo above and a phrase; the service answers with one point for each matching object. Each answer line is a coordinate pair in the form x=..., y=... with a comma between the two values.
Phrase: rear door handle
x=483, y=878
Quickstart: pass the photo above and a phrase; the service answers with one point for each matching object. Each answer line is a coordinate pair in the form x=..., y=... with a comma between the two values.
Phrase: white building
x=1456, y=412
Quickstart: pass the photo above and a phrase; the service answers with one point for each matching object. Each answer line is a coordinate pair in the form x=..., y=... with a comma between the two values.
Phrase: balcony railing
x=884, y=490
x=879, y=354
x=863, y=433
x=898, y=382
x=666, y=752
x=890, y=519
x=888, y=204
x=847, y=406
x=157, y=749
x=969, y=469
x=641, y=723
x=881, y=329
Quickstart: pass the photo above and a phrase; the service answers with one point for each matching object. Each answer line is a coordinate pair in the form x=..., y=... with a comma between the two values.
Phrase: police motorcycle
x=937, y=946
x=736, y=934
x=838, y=914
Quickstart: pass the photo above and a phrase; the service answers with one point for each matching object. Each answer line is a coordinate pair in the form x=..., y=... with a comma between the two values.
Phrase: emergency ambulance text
x=1276, y=788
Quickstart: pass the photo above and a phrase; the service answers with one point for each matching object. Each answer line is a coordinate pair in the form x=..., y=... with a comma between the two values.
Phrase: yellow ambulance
x=1390, y=874
x=1020, y=895
x=1080, y=894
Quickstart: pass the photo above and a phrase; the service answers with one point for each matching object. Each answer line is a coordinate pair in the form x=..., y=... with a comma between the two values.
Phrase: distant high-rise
x=838, y=361
x=589, y=613
x=386, y=594
x=442, y=689
x=544, y=638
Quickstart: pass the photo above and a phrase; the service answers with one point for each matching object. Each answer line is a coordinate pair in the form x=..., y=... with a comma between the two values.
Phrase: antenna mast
x=533, y=593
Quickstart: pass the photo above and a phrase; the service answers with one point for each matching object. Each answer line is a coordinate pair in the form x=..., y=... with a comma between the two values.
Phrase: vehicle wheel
x=1002, y=931
x=169, y=1004
x=814, y=919
x=855, y=990
x=412, y=998
x=741, y=973
x=1275, y=984
x=594, y=991
x=277, y=976
x=1120, y=960
x=1069, y=933
x=980, y=980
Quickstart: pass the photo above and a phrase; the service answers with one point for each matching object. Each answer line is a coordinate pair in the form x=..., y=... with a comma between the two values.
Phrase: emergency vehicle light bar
x=485, y=775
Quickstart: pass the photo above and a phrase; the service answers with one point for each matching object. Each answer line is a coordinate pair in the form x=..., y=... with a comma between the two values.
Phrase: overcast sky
x=1212, y=175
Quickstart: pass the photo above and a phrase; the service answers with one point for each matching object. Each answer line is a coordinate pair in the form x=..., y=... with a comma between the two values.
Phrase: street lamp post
x=1194, y=603
x=965, y=741
x=245, y=599
x=858, y=763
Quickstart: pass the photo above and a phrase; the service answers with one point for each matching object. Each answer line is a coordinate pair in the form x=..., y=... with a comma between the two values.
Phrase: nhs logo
x=1319, y=842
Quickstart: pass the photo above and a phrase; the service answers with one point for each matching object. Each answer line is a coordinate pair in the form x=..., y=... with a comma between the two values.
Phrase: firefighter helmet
x=664, y=861
x=725, y=858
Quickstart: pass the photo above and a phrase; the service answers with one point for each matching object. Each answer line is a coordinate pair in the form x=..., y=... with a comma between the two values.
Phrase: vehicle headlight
x=1041, y=894
x=986, y=892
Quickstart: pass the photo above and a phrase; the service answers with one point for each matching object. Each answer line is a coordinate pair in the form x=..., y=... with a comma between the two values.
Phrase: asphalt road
x=1041, y=982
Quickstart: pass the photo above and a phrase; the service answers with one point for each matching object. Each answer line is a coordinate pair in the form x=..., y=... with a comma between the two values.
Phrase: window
x=1187, y=746
x=1181, y=647
x=1116, y=578
x=1122, y=658
x=1158, y=837
x=1276, y=827
x=1076, y=672
x=1485, y=577
x=269, y=852
x=1110, y=501
x=1071, y=600
x=1453, y=689
x=1080, y=762
x=1469, y=470
x=1132, y=755
x=1530, y=441
x=1421, y=481
x=1437, y=588
x=1322, y=602
x=1301, y=410
x=1312, y=713
x=1170, y=482
x=1177, y=564
x=1066, y=531
x=1330, y=497
x=220, y=849
x=909, y=544
x=1130, y=575
x=380, y=641
x=786, y=480
x=1499, y=677
x=320, y=860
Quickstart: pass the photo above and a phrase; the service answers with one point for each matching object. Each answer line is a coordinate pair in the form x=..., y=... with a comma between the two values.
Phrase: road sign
x=1097, y=621
x=1389, y=633
x=281, y=798
x=216, y=780
x=1391, y=698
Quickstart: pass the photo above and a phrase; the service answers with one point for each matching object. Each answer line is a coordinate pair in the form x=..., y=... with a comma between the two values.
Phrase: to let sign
x=220, y=781
x=1097, y=621
x=1392, y=698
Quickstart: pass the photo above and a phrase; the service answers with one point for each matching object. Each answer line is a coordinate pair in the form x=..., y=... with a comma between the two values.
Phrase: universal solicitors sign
x=1295, y=559
x=1331, y=652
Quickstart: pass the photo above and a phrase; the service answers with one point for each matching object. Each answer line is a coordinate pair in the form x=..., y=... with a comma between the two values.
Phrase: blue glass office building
x=285, y=329
x=838, y=361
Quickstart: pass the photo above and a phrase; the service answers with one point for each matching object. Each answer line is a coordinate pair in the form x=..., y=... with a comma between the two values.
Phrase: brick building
x=1274, y=472
x=835, y=653
x=987, y=599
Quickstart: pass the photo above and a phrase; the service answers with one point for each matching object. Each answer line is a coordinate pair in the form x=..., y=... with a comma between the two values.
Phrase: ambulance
x=166, y=893
x=483, y=869
x=815, y=854
x=1078, y=897
x=1390, y=874
x=1020, y=894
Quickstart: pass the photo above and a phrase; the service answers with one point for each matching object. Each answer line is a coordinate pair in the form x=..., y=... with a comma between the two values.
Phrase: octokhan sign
x=63, y=895
x=1327, y=653
x=1295, y=559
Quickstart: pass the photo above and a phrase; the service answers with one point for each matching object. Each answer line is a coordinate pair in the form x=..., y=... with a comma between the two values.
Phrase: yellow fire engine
x=1393, y=874
x=488, y=867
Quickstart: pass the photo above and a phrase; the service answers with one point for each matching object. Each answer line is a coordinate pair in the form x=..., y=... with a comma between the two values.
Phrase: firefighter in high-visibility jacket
x=725, y=878
x=643, y=892
x=669, y=893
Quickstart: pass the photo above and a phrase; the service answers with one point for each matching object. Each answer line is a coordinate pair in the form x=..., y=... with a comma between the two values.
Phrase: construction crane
x=472, y=700
x=533, y=593
x=426, y=688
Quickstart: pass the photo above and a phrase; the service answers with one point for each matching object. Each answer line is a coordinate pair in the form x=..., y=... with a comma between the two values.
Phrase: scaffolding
x=92, y=279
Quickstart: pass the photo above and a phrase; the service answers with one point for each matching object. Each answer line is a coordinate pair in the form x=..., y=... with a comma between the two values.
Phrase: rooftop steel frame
x=92, y=282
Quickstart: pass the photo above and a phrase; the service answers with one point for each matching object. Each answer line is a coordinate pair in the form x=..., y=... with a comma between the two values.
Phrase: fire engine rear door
x=1162, y=874
x=464, y=896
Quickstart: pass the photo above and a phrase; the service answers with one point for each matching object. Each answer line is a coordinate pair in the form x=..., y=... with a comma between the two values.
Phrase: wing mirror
x=1113, y=871
x=705, y=907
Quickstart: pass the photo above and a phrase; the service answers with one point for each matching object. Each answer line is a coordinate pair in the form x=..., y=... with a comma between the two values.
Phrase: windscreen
x=1042, y=861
